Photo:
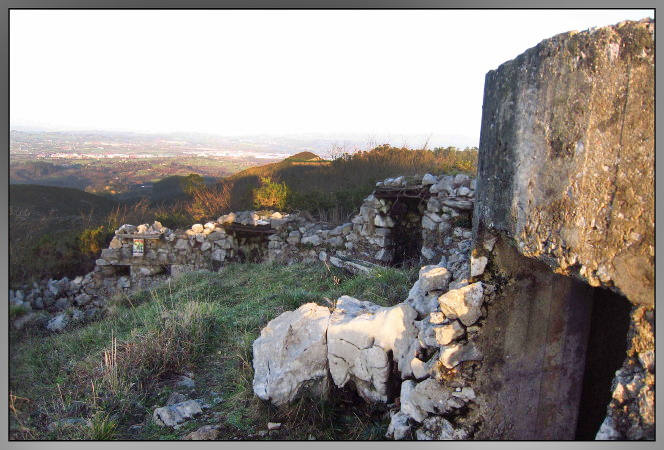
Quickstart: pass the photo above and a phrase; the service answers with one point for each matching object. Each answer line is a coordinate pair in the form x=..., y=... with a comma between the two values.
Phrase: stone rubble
x=371, y=348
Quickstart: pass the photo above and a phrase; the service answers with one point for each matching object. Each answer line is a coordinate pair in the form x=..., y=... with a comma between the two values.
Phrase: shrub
x=270, y=194
x=92, y=240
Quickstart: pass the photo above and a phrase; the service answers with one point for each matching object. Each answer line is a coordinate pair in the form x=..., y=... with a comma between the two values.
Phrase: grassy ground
x=107, y=377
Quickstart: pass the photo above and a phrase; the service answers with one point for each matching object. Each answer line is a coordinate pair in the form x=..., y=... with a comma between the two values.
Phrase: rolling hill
x=60, y=201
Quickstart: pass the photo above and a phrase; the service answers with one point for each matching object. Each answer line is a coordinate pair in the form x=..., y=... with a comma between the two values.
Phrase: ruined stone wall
x=254, y=236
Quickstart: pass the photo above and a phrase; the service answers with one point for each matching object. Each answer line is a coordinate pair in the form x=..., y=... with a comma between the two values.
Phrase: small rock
x=77, y=315
x=436, y=428
x=477, y=265
x=434, y=278
x=384, y=221
x=399, y=428
x=197, y=228
x=186, y=382
x=173, y=415
x=271, y=426
x=647, y=360
x=447, y=333
x=463, y=303
x=489, y=242
x=429, y=179
x=57, y=323
x=607, y=431
x=428, y=253
x=204, y=433
x=453, y=355
x=70, y=422
x=61, y=303
x=175, y=397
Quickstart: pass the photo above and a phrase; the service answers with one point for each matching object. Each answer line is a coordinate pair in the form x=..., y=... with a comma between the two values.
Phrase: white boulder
x=290, y=356
x=360, y=337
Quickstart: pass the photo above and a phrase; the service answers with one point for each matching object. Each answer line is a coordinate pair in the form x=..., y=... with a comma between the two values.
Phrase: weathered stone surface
x=204, y=433
x=434, y=278
x=455, y=354
x=477, y=265
x=566, y=158
x=360, y=335
x=631, y=411
x=312, y=240
x=436, y=428
x=607, y=431
x=173, y=415
x=290, y=355
x=463, y=303
x=445, y=334
x=428, y=396
x=422, y=302
x=399, y=428
x=58, y=323
x=429, y=179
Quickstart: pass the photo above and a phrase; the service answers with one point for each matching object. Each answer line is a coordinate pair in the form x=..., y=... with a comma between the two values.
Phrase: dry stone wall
x=439, y=213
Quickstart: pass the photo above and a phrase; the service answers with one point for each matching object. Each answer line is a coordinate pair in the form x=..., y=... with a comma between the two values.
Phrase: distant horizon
x=365, y=140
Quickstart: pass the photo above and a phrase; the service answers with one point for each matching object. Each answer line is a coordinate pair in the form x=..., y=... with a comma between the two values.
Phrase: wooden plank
x=139, y=236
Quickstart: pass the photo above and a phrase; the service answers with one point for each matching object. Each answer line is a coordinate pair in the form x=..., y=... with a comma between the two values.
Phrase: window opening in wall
x=122, y=271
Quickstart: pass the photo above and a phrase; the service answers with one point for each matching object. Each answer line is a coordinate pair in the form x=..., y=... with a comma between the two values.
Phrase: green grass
x=122, y=367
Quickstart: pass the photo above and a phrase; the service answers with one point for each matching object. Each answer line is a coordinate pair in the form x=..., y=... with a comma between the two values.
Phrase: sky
x=235, y=73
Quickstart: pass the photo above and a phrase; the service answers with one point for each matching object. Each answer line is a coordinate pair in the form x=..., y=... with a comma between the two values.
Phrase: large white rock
x=290, y=356
x=463, y=303
x=360, y=337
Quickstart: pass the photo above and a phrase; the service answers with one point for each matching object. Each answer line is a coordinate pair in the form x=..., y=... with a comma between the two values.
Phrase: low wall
x=144, y=255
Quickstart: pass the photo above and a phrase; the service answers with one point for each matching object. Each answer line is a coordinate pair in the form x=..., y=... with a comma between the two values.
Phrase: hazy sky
x=270, y=72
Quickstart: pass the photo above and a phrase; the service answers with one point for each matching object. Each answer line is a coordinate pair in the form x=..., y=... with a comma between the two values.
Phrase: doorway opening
x=607, y=346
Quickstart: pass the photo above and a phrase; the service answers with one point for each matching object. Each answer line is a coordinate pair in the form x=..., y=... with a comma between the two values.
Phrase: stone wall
x=441, y=217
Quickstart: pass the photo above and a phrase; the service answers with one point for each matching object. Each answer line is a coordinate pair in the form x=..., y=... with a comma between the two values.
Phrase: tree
x=191, y=183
